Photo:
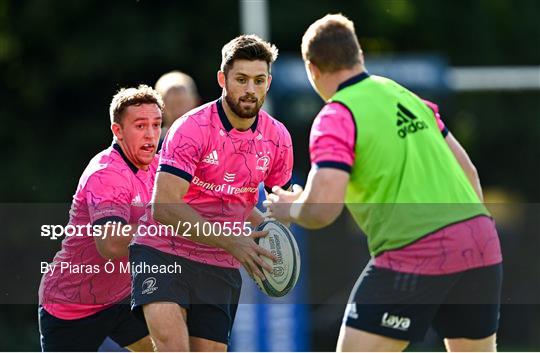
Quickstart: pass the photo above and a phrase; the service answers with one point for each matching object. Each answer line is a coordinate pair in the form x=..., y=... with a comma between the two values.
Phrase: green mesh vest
x=405, y=182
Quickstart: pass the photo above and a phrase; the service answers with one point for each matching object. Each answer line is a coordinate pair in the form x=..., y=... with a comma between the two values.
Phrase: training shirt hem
x=375, y=254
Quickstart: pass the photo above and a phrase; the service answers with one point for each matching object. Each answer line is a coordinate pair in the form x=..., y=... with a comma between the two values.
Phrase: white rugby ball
x=286, y=269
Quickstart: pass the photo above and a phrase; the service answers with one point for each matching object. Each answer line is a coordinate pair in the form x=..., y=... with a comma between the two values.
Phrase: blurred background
x=61, y=62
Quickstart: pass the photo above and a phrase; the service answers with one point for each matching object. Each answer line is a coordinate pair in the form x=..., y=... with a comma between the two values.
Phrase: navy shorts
x=88, y=333
x=210, y=294
x=403, y=305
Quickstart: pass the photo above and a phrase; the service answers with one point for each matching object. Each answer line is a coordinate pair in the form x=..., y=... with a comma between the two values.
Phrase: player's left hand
x=279, y=202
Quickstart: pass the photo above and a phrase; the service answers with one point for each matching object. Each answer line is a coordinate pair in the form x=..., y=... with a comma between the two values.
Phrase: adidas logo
x=137, y=201
x=212, y=158
x=396, y=322
x=407, y=122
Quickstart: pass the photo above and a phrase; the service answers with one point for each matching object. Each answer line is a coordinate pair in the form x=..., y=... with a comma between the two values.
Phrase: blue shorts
x=88, y=333
x=210, y=294
x=403, y=305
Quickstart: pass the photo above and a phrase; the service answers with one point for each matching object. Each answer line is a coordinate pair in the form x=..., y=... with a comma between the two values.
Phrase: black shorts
x=209, y=293
x=88, y=333
x=403, y=305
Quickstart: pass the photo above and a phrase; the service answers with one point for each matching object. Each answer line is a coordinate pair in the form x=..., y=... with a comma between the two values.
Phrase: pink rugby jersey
x=111, y=188
x=469, y=244
x=224, y=167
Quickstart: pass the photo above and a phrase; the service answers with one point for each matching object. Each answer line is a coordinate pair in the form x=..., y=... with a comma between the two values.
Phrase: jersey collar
x=353, y=80
x=225, y=121
x=131, y=166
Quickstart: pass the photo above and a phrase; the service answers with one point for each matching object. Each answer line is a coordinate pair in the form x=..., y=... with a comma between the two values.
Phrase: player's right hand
x=248, y=253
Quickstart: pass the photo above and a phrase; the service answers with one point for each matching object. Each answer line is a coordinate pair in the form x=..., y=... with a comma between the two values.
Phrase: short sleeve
x=108, y=197
x=182, y=149
x=281, y=171
x=435, y=108
x=333, y=137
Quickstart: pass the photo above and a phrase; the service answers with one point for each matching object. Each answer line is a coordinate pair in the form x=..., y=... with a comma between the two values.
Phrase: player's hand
x=248, y=253
x=280, y=201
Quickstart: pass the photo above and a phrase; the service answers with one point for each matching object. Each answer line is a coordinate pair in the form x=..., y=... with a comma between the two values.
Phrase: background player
x=79, y=310
x=212, y=161
x=411, y=189
x=179, y=94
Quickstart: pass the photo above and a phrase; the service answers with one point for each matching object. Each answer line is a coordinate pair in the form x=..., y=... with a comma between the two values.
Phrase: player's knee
x=170, y=344
x=487, y=344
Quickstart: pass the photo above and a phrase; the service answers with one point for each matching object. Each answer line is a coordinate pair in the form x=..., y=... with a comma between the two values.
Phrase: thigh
x=395, y=304
x=167, y=326
x=85, y=334
x=487, y=344
x=471, y=310
x=353, y=340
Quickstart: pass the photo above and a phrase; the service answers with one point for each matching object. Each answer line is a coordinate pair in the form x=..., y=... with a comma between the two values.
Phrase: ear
x=313, y=70
x=117, y=131
x=268, y=82
x=221, y=79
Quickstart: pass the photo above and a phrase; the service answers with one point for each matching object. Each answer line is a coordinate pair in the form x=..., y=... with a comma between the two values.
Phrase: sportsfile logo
x=396, y=322
x=149, y=285
x=408, y=122
x=212, y=158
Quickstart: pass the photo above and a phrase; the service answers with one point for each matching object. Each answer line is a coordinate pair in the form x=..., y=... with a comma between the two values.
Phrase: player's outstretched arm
x=169, y=208
x=465, y=163
x=315, y=207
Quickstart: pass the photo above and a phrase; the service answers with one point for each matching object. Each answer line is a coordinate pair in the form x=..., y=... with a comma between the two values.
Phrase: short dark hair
x=330, y=43
x=247, y=47
x=126, y=97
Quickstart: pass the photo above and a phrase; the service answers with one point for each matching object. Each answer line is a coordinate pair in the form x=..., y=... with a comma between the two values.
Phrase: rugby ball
x=286, y=270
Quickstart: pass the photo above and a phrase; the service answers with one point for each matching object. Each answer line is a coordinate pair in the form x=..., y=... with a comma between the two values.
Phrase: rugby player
x=83, y=295
x=212, y=162
x=412, y=189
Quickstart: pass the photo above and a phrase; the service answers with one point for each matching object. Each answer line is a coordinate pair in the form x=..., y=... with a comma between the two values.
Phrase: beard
x=242, y=112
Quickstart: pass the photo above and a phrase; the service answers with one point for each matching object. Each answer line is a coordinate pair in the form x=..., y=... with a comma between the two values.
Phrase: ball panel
x=286, y=269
